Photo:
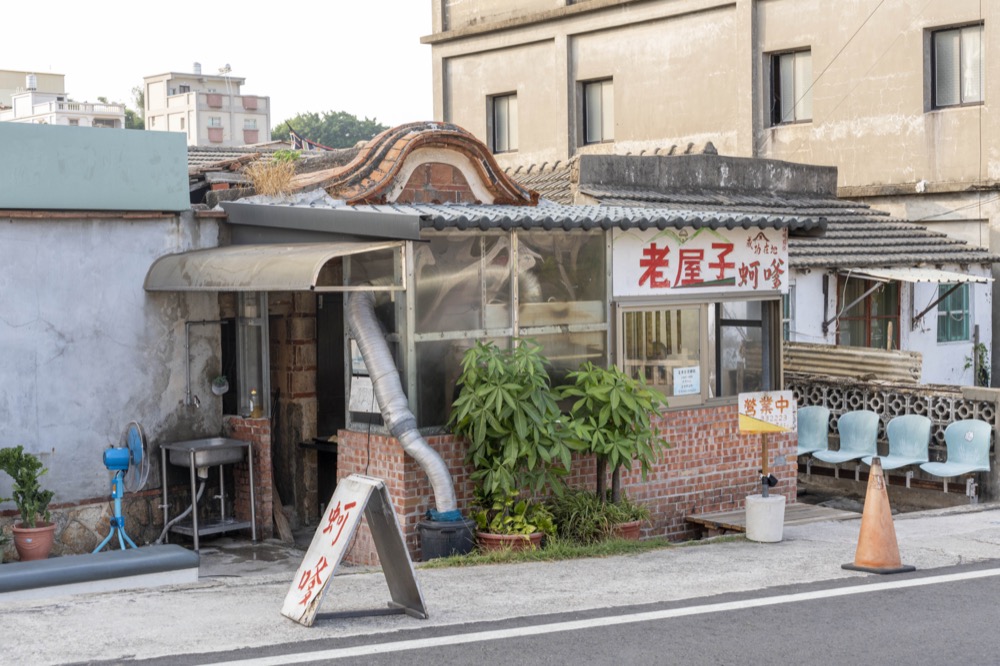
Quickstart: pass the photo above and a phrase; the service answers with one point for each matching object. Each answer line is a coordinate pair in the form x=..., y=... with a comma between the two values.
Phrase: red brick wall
x=709, y=467
x=258, y=432
x=436, y=183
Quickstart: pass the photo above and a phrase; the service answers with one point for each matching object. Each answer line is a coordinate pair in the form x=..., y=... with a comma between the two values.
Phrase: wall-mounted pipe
x=391, y=399
x=187, y=355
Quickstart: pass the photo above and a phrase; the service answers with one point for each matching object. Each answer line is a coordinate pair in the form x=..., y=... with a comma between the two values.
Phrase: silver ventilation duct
x=391, y=399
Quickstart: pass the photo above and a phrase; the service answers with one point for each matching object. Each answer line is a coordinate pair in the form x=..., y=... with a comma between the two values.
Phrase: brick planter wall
x=709, y=467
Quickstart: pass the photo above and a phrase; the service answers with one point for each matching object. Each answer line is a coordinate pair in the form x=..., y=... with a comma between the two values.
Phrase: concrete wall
x=86, y=349
x=80, y=168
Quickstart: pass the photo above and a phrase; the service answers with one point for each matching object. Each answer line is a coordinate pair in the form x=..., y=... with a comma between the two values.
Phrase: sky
x=363, y=57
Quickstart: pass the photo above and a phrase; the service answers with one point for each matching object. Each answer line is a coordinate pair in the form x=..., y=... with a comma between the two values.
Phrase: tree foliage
x=334, y=129
x=612, y=418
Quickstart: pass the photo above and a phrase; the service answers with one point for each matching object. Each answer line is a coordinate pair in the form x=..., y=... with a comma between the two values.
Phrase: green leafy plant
x=981, y=363
x=26, y=469
x=612, y=418
x=509, y=514
x=583, y=517
x=507, y=411
x=220, y=381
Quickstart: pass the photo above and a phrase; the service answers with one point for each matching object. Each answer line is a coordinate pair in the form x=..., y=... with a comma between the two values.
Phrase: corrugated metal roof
x=292, y=267
x=915, y=274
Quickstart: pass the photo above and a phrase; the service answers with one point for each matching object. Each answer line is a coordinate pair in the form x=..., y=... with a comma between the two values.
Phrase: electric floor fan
x=130, y=463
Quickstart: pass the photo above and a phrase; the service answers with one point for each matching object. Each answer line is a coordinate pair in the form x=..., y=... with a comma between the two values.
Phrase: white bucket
x=765, y=517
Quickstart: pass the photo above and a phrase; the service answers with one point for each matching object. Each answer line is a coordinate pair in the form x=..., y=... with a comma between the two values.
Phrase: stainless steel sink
x=207, y=452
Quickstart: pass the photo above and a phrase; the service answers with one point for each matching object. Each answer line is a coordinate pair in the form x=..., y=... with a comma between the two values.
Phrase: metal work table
x=199, y=454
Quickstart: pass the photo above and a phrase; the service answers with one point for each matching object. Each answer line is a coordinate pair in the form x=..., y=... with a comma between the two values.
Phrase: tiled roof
x=856, y=236
x=370, y=177
x=551, y=181
x=548, y=215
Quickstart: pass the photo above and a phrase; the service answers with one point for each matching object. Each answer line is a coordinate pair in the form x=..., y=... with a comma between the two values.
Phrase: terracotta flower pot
x=34, y=543
x=629, y=531
x=489, y=542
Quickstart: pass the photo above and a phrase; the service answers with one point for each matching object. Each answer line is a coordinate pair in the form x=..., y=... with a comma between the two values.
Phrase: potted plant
x=220, y=385
x=582, y=516
x=513, y=523
x=34, y=534
x=507, y=411
x=611, y=417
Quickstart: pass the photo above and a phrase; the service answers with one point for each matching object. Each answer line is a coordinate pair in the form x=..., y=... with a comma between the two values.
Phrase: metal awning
x=913, y=274
x=290, y=267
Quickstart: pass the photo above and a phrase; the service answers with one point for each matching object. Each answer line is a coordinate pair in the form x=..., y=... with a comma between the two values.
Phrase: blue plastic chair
x=813, y=430
x=968, y=446
x=909, y=437
x=858, y=438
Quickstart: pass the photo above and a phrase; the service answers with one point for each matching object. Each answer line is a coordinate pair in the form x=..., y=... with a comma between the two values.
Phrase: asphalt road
x=944, y=615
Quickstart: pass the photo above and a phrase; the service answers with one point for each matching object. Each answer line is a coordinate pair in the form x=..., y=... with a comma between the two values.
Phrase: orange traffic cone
x=877, y=549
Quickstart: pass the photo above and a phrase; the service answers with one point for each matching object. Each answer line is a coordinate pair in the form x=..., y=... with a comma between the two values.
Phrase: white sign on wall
x=687, y=381
x=683, y=261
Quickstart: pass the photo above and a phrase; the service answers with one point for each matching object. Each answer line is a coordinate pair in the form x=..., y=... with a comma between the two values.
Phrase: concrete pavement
x=236, y=602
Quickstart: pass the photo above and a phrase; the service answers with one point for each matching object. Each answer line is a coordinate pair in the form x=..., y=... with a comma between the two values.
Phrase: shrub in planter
x=507, y=411
x=611, y=417
x=584, y=517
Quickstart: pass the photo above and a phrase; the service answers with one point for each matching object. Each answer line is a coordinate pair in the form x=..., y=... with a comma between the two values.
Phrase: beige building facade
x=210, y=109
x=894, y=94
x=41, y=99
x=17, y=81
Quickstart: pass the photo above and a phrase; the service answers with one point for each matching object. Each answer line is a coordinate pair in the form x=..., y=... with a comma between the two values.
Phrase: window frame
x=511, y=126
x=775, y=93
x=214, y=121
x=933, y=73
x=945, y=311
x=867, y=316
x=586, y=112
x=710, y=327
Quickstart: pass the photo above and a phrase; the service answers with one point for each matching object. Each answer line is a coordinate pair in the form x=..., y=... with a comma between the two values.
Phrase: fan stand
x=118, y=521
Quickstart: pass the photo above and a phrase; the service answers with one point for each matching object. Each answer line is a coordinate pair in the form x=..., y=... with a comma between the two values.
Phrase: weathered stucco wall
x=943, y=363
x=86, y=349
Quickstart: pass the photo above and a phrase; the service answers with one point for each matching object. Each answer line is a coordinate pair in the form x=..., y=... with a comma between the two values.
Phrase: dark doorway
x=330, y=392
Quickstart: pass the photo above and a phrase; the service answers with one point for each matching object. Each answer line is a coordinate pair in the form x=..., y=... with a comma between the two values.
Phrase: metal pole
x=763, y=460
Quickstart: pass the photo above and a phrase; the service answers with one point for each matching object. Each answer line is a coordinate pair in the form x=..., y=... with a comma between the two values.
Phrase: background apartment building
x=209, y=108
x=894, y=93
x=41, y=99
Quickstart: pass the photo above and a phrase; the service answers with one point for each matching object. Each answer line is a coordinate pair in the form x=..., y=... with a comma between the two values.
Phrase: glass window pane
x=607, y=111
x=851, y=293
x=741, y=354
x=885, y=300
x=439, y=363
x=972, y=64
x=787, y=87
x=592, y=112
x=946, y=66
x=568, y=351
x=462, y=283
x=663, y=347
x=803, y=85
x=500, y=124
x=512, y=122
x=953, y=314
x=561, y=278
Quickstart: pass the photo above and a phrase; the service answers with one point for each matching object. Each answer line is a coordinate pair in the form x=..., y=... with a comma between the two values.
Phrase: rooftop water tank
x=31, y=82
x=197, y=68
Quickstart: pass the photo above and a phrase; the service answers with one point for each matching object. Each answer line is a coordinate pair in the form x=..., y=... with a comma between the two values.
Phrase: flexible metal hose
x=391, y=399
x=182, y=514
